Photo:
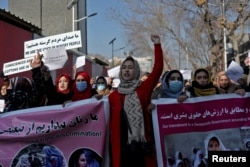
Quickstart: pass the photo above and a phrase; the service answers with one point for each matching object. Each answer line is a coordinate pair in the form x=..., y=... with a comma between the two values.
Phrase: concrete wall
x=50, y=15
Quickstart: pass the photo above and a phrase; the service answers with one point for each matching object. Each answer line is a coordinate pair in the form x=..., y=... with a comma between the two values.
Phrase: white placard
x=68, y=40
x=2, y=103
x=114, y=72
x=55, y=58
x=17, y=66
x=116, y=82
x=80, y=61
x=187, y=74
x=234, y=71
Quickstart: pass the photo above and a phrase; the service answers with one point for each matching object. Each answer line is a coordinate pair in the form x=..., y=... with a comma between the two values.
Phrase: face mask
x=81, y=86
x=175, y=86
x=100, y=87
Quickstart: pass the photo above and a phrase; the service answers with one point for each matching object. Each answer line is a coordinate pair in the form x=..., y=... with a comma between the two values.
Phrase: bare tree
x=193, y=28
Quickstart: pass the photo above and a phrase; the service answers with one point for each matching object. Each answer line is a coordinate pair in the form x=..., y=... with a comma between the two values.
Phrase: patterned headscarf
x=132, y=105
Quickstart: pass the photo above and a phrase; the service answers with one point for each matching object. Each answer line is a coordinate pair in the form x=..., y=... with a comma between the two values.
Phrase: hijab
x=197, y=90
x=21, y=95
x=85, y=94
x=132, y=105
x=230, y=88
x=207, y=139
x=165, y=84
x=68, y=78
x=106, y=90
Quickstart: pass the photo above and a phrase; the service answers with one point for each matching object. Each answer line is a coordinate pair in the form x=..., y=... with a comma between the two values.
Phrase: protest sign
x=55, y=58
x=179, y=127
x=17, y=66
x=2, y=103
x=80, y=61
x=187, y=74
x=68, y=40
x=234, y=71
x=54, y=134
x=114, y=72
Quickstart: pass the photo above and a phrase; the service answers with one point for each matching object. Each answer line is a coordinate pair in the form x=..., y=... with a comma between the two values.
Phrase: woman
x=22, y=95
x=202, y=85
x=130, y=123
x=102, y=87
x=23, y=161
x=82, y=88
x=199, y=162
x=172, y=86
x=54, y=158
x=212, y=143
x=3, y=92
x=84, y=158
x=61, y=92
x=225, y=85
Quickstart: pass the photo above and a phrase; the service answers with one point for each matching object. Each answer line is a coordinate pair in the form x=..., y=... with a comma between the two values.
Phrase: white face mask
x=175, y=86
x=100, y=87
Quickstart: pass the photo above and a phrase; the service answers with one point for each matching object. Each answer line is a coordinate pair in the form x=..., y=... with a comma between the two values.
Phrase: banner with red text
x=182, y=128
x=54, y=135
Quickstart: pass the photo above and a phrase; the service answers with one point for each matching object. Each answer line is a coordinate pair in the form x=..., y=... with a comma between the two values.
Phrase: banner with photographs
x=185, y=132
x=55, y=135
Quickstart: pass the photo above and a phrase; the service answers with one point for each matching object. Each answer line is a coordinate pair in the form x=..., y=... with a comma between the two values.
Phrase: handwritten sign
x=55, y=58
x=17, y=66
x=69, y=40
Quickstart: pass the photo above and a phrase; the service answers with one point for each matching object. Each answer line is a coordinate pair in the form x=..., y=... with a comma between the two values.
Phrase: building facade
x=56, y=17
x=14, y=31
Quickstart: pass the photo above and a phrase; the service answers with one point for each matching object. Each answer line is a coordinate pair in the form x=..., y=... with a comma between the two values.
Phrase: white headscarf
x=207, y=139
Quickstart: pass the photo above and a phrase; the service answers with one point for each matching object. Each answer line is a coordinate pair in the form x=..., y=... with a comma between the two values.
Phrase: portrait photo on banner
x=185, y=132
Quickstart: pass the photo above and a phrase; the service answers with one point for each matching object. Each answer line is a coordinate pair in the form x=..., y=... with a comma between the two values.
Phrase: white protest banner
x=80, y=61
x=114, y=72
x=55, y=58
x=187, y=74
x=234, y=71
x=68, y=40
x=17, y=66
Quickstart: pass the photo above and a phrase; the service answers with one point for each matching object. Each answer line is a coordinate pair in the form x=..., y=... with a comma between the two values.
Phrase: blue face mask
x=175, y=86
x=100, y=87
x=81, y=86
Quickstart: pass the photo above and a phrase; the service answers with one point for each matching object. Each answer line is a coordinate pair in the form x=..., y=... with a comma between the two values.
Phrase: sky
x=100, y=29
